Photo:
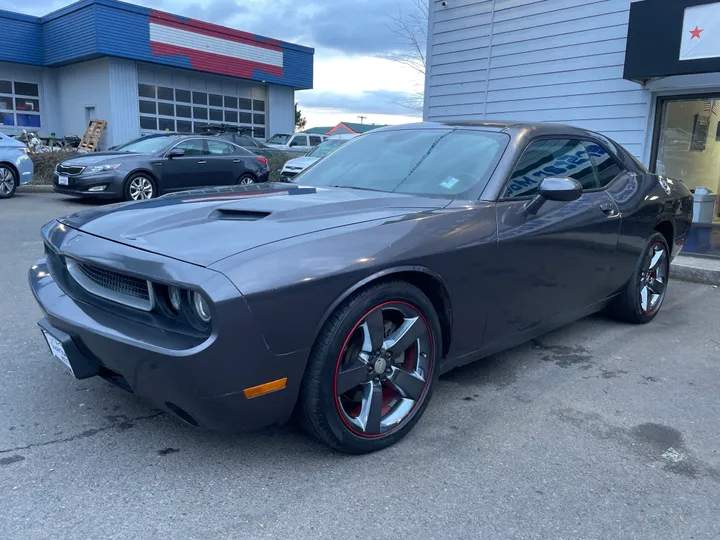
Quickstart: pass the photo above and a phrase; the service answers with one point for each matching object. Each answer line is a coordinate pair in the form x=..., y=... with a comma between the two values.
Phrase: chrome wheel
x=653, y=279
x=246, y=180
x=384, y=369
x=141, y=188
x=7, y=181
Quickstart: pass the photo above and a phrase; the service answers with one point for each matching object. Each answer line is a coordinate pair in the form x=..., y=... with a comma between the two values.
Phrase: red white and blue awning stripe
x=217, y=49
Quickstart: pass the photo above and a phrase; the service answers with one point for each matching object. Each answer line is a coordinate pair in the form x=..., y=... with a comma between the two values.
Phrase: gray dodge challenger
x=407, y=252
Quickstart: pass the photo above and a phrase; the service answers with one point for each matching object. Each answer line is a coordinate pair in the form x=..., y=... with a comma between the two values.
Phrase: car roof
x=514, y=128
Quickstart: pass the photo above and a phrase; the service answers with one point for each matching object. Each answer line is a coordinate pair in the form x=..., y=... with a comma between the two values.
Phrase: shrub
x=45, y=163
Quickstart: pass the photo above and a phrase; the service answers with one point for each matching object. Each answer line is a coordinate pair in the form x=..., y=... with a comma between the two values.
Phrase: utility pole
x=362, y=118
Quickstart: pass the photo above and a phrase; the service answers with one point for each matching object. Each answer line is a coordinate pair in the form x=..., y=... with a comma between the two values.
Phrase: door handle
x=237, y=160
x=202, y=161
x=608, y=209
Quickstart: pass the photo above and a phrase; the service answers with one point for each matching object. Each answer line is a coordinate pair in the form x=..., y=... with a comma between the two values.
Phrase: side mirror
x=555, y=188
x=176, y=152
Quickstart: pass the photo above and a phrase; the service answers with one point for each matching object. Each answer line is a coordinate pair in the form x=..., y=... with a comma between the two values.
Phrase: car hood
x=204, y=226
x=302, y=162
x=101, y=157
x=9, y=142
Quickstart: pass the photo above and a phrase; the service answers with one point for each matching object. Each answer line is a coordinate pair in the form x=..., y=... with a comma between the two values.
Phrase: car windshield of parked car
x=148, y=145
x=279, y=139
x=436, y=162
x=325, y=148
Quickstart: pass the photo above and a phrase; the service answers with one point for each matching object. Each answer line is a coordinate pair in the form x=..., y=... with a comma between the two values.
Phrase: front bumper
x=25, y=168
x=80, y=184
x=199, y=380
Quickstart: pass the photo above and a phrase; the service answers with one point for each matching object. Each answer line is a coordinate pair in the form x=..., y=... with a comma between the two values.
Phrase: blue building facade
x=143, y=70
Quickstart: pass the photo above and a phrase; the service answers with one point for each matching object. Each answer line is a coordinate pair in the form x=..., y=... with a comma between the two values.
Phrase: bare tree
x=410, y=27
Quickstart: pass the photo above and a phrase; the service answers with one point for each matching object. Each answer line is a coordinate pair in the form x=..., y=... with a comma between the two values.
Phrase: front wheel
x=643, y=295
x=8, y=182
x=140, y=187
x=372, y=369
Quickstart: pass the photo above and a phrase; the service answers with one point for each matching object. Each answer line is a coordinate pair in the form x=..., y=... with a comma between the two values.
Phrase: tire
x=8, y=181
x=396, y=375
x=246, y=180
x=137, y=184
x=634, y=306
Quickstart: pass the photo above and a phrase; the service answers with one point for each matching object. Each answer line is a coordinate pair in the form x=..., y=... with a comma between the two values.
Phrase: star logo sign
x=696, y=33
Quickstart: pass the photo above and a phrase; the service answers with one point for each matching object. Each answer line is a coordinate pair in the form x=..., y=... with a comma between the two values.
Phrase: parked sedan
x=295, y=166
x=153, y=165
x=16, y=168
x=404, y=254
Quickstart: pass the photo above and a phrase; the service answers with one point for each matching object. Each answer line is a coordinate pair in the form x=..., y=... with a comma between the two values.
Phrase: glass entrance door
x=688, y=141
x=687, y=147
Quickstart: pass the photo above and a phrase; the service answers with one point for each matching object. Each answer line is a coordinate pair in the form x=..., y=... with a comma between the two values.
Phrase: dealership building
x=143, y=71
x=645, y=73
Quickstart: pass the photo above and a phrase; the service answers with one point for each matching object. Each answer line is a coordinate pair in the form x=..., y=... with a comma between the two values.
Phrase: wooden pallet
x=92, y=135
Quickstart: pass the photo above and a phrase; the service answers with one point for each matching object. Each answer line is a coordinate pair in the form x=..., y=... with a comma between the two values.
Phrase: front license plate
x=57, y=350
x=63, y=180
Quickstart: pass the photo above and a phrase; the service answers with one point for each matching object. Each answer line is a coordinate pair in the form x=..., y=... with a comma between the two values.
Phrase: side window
x=551, y=157
x=219, y=148
x=244, y=140
x=299, y=140
x=193, y=147
x=606, y=167
x=315, y=140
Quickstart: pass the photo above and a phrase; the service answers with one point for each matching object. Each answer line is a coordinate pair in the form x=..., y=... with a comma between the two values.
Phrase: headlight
x=24, y=149
x=201, y=307
x=102, y=168
x=175, y=297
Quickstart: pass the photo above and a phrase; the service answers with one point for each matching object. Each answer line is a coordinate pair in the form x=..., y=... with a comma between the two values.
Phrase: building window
x=165, y=93
x=166, y=124
x=162, y=108
x=19, y=104
x=148, y=122
x=146, y=90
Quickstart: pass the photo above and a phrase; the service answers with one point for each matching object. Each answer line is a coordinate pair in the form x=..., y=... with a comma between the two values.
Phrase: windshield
x=325, y=148
x=147, y=145
x=436, y=162
x=279, y=139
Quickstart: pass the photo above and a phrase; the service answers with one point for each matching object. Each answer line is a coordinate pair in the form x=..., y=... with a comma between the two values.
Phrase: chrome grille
x=289, y=174
x=111, y=285
x=69, y=169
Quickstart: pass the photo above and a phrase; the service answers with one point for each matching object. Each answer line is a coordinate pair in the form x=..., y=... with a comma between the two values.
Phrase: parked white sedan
x=295, y=166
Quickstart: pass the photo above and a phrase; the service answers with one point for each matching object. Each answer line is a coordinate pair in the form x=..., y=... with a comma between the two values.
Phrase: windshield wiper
x=356, y=187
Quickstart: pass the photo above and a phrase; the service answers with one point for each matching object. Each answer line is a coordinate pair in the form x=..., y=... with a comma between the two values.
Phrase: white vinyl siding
x=535, y=60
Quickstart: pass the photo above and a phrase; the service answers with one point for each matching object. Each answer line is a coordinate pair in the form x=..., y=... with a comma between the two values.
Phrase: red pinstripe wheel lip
x=427, y=382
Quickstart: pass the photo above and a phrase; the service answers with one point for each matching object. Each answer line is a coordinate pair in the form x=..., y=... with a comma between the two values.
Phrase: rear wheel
x=644, y=293
x=372, y=369
x=246, y=180
x=8, y=182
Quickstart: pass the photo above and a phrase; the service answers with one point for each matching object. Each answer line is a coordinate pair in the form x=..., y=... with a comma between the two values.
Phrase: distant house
x=350, y=127
x=344, y=128
x=318, y=130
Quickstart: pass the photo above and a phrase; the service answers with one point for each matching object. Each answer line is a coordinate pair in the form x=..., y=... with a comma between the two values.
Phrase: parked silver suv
x=16, y=168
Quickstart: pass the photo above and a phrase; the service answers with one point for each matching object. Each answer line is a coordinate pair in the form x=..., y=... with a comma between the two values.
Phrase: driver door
x=555, y=263
x=187, y=171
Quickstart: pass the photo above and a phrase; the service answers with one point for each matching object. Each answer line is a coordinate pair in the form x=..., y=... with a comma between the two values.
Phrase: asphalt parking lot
x=597, y=431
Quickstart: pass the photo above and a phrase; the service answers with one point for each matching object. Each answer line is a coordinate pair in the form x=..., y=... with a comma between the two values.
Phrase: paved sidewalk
x=696, y=269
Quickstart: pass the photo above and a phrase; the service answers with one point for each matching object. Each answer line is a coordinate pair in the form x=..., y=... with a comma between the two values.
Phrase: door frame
x=657, y=121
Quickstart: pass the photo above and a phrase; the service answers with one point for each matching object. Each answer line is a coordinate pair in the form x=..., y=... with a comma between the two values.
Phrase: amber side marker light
x=262, y=389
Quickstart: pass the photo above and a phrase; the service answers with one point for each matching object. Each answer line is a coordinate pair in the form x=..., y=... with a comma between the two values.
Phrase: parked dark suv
x=157, y=164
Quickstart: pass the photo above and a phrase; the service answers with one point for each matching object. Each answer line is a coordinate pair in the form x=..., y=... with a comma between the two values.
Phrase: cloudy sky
x=348, y=35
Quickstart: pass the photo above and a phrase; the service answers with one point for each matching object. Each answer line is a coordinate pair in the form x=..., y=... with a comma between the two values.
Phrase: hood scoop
x=230, y=214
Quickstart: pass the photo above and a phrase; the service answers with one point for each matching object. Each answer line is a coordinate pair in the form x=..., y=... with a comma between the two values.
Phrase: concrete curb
x=696, y=269
x=37, y=188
